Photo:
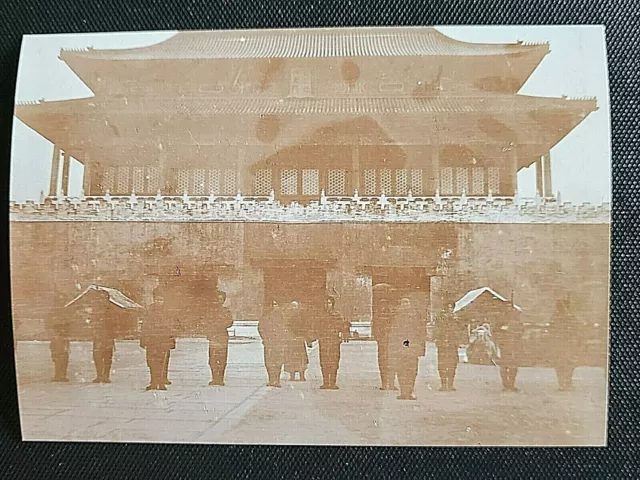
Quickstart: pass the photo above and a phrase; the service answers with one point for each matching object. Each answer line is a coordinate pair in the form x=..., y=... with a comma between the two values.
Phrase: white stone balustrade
x=409, y=208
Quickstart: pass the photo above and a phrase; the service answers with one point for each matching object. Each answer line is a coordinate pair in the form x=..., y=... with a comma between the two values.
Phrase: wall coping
x=327, y=209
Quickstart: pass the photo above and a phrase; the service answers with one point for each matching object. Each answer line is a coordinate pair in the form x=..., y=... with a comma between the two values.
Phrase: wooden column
x=539, y=186
x=546, y=175
x=65, y=173
x=55, y=168
x=435, y=165
x=514, y=169
x=242, y=181
x=87, y=174
x=434, y=177
x=355, y=168
x=86, y=179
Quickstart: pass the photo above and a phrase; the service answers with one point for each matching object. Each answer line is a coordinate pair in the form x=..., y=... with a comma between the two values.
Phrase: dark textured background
x=89, y=461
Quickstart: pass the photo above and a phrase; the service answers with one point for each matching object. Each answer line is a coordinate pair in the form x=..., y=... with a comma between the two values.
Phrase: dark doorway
x=289, y=283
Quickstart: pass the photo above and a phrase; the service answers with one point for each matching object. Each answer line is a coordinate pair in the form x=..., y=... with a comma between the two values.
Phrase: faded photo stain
x=309, y=237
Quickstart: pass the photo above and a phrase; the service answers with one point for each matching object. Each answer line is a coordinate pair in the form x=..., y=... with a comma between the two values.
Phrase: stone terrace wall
x=539, y=262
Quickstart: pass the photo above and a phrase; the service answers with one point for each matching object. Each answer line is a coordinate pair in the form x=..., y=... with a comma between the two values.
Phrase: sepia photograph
x=330, y=236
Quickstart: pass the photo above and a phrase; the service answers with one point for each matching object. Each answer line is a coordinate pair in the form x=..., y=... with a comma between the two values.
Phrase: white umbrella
x=115, y=296
x=471, y=296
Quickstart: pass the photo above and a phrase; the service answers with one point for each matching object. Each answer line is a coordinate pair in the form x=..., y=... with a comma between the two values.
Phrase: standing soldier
x=447, y=344
x=508, y=337
x=408, y=338
x=564, y=344
x=331, y=333
x=218, y=336
x=382, y=317
x=157, y=338
x=169, y=314
x=271, y=329
x=60, y=344
x=296, y=358
x=103, y=315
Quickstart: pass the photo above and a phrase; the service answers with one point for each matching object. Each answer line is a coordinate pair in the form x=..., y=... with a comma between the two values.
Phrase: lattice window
x=214, y=182
x=477, y=181
x=462, y=180
x=182, y=181
x=109, y=179
x=385, y=181
x=494, y=180
x=337, y=182
x=230, y=187
x=446, y=181
x=198, y=186
x=416, y=181
x=262, y=182
x=289, y=182
x=310, y=181
x=370, y=182
x=123, y=180
x=153, y=179
x=138, y=179
x=402, y=184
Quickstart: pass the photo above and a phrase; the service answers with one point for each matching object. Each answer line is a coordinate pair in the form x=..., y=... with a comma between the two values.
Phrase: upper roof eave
x=202, y=107
x=301, y=43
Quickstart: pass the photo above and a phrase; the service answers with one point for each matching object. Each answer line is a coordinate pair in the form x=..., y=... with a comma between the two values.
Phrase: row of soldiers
x=399, y=328
x=157, y=337
x=286, y=333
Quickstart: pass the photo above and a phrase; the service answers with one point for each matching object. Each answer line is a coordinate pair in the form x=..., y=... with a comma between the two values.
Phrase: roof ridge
x=294, y=43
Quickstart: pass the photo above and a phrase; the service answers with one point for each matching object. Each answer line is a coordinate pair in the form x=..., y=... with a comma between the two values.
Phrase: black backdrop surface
x=89, y=461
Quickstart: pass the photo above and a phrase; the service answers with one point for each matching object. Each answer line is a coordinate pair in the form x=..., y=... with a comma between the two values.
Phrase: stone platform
x=246, y=411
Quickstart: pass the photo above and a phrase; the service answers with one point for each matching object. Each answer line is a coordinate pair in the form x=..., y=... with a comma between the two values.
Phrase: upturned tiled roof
x=205, y=106
x=337, y=42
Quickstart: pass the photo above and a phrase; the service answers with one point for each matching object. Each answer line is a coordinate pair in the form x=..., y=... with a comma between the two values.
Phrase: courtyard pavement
x=246, y=411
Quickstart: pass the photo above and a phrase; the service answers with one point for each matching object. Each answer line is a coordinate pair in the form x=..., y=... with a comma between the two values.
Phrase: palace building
x=301, y=111
x=281, y=163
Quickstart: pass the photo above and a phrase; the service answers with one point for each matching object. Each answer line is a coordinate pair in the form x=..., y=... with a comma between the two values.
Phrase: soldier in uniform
x=158, y=339
x=508, y=336
x=271, y=329
x=564, y=343
x=169, y=315
x=220, y=321
x=408, y=344
x=296, y=358
x=60, y=343
x=331, y=333
x=447, y=344
x=103, y=315
x=380, y=330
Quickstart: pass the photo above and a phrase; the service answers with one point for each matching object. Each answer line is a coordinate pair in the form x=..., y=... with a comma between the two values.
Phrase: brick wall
x=539, y=262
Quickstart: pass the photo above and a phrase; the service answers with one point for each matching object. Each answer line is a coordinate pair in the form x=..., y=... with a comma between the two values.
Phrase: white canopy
x=471, y=296
x=115, y=296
